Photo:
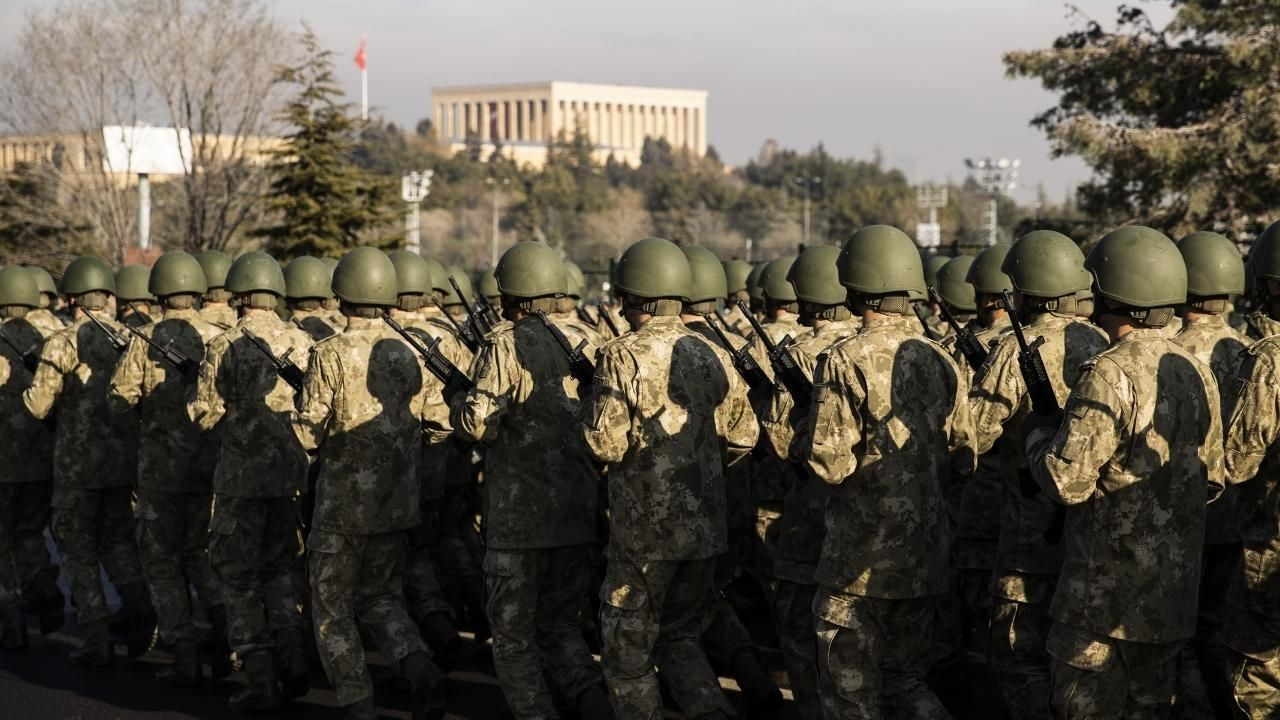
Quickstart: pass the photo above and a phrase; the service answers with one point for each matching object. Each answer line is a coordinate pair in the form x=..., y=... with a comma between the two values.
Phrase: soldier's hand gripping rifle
x=170, y=354
x=117, y=341
x=437, y=364
x=285, y=368
x=465, y=334
x=746, y=365
x=784, y=364
x=966, y=342
x=474, y=319
x=29, y=358
x=579, y=366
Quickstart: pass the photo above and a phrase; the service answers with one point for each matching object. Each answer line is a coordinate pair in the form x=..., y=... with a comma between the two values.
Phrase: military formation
x=1022, y=484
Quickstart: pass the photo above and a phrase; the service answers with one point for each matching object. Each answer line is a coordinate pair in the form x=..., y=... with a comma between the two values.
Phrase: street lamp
x=413, y=189
x=996, y=177
x=806, y=181
x=493, y=239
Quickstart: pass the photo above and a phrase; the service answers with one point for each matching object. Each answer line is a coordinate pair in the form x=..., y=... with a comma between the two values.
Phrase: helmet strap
x=305, y=304
x=897, y=304
x=702, y=307
x=411, y=302
x=369, y=312
x=218, y=294
x=546, y=304
x=257, y=300
x=12, y=312
x=183, y=301
x=1213, y=305
x=94, y=300
x=1035, y=305
x=813, y=311
x=653, y=306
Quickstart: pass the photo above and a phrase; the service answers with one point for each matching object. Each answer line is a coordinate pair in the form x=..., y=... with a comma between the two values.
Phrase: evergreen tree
x=324, y=202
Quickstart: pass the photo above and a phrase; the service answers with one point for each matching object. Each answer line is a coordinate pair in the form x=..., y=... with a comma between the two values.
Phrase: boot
x=593, y=704
x=363, y=710
x=186, y=670
x=428, y=685
x=762, y=697
x=291, y=661
x=441, y=636
x=220, y=648
x=49, y=601
x=141, y=616
x=97, y=650
x=261, y=694
x=13, y=628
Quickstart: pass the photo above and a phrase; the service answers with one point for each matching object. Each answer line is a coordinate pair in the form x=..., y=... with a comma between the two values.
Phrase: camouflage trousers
x=725, y=636
x=654, y=613
x=422, y=590
x=253, y=548
x=358, y=578
x=24, y=514
x=1255, y=685
x=536, y=600
x=1097, y=677
x=173, y=541
x=95, y=527
x=1205, y=664
x=872, y=656
x=1018, y=658
x=793, y=612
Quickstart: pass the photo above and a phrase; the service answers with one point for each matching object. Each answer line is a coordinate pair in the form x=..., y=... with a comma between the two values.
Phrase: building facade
x=523, y=120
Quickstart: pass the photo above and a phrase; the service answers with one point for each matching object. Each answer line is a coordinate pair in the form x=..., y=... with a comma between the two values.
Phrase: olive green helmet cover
x=735, y=274
x=1214, y=265
x=773, y=279
x=464, y=281
x=754, y=288
x=985, y=274
x=215, y=264
x=413, y=274
x=1139, y=268
x=44, y=281
x=132, y=283
x=881, y=260
x=18, y=286
x=308, y=277
x=256, y=272
x=931, y=265
x=654, y=268
x=365, y=276
x=530, y=269
x=489, y=284
x=1046, y=264
x=87, y=274
x=708, y=277
x=952, y=285
x=177, y=272
x=814, y=278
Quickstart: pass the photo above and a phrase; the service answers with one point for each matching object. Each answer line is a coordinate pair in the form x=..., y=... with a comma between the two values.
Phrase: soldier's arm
x=315, y=402
x=997, y=395
x=963, y=432
x=835, y=423
x=735, y=419
x=126, y=382
x=205, y=404
x=477, y=414
x=57, y=359
x=606, y=419
x=1066, y=462
x=1254, y=425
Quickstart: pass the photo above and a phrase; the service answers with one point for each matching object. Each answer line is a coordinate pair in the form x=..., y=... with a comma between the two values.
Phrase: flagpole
x=364, y=94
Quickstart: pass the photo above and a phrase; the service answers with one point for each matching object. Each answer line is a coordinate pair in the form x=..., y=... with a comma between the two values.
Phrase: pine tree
x=324, y=202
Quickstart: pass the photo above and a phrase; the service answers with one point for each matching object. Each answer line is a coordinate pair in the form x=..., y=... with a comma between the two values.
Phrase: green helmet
x=44, y=281
x=774, y=281
x=308, y=277
x=177, y=273
x=879, y=260
x=985, y=274
x=735, y=275
x=87, y=274
x=413, y=274
x=654, y=268
x=489, y=284
x=574, y=280
x=708, y=278
x=18, y=287
x=953, y=285
x=215, y=264
x=132, y=282
x=255, y=272
x=1138, y=267
x=754, y=288
x=813, y=276
x=330, y=262
x=932, y=264
x=464, y=281
x=439, y=276
x=1214, y=266
x=530, y=270
x=365, y=276
x=1045, y=264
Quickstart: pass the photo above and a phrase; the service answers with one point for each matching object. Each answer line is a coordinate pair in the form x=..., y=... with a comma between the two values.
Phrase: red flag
x=360, y=56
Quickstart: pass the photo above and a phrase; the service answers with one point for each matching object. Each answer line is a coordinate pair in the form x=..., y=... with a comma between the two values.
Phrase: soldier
x=541, y=495
x=175, y=467
x=666, y=417
x=91, y=520
x=928, y=310
x=1133, y=458
x=1046, y=271
x=133, y=300
x=736, y=273
x=800, y=531
x=567, y=312
x=214, y=305
x=306, y=283
x=26, y=472
x=331, y=304
x=45, y=318
x=1215, y=273
x=888, y=427
x=488, y=286
x=363, y=412
x=1251, y=622
x=755, y=291
x=260, y=473
x=957, y=293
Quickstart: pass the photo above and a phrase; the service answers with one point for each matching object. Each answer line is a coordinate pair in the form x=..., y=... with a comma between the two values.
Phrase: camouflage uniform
x=219, y=314
x=317, y=323
x=1261, y=325
x=889, y=426
x=45, y=321
x=1133, y=460
x=254, y=542
x=736, y=321
x=801, y=530
x=364, y=407
x=540, y=513
x=664, y=412
x=1027, y=565
x=1251, y=622
x=570, y=321
x=175, y=471
x=92, y=464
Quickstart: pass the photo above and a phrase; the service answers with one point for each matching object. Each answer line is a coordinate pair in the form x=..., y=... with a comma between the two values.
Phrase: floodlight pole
x=996, y=177
x=414, y=188
x=805, y=181
x=493, y=237
x=144, y=211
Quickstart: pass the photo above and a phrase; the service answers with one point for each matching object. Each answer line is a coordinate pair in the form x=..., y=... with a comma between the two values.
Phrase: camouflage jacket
x=770, y=477
x=240, y=393
x=174, y=454
x=1000, y=404
x=619, y=321
x=26, y=445
x=575, y=329
x=889, y=427
x=541, y=484
x=1261, y=325
x=667, y=413
x=442, y=463
x=220, y=315
x=1134, y=460
x=317, y=323
x=135, y=318
x=362, y=411
x=1216, y=344
x=94, y=448
x=46, y=322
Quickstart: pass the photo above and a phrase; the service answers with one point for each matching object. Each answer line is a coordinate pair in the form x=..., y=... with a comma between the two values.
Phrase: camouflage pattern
x=94, y=526
x=1105, y=677
x=567, y=321
x=1255, y=685
x=358, y=576
x=734, y=319
x=1261, y=325
x=536, y=601
x=318, y=323
x=770, y=477
x=24, y=515
x=615, y=313
x=44, y=320
x=219, y=314
x=173, y=542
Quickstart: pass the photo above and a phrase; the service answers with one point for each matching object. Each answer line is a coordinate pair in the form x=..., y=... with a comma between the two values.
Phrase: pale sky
x=921, y=78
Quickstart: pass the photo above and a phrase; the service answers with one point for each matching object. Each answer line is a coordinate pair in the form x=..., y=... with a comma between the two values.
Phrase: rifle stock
x=784, y=363
x=579, y=366
x=747, y=368
x=285, y=368
x=966, y=342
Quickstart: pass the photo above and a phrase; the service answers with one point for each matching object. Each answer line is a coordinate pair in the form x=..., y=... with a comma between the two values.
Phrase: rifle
x=579, y=366
x=464, y=333
x=486, y=311
x=784, y=364
x=288, y=371
x=584, y=316
x=439, y=365
x=746, y=365
x=168, y=352
x=966, y=342
x=472, y=317
x=608, y=320
x=117, y=342
x=923, y=316
x=29, y=358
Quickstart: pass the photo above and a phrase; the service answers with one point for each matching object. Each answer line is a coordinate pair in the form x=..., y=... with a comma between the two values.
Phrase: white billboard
x=146, y=150
x=928, y=235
